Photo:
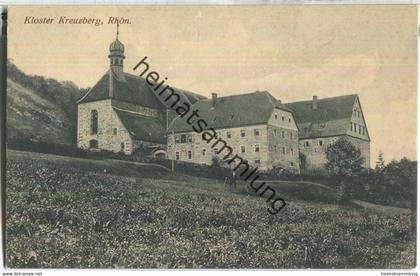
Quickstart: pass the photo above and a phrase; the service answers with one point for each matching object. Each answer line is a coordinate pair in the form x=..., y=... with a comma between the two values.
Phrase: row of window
x=187, y=138
x=183, y=139
x=189, y=157
x=282, y=118
x=306, y=144
x=242, y=150
x=357, y=128
x=282, y=134
x=356, y=113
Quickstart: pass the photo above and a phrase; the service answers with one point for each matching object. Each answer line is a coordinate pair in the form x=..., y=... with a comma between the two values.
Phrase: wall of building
x=107, y=121
x=357, y=126
x=197, y=145
x=314, y=150
x=283, y=141
x=150, y=112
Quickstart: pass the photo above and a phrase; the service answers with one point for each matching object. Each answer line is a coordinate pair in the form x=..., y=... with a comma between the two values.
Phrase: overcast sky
x=294, y=52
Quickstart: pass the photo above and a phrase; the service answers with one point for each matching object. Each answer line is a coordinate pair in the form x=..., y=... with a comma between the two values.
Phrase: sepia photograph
x=211, y=137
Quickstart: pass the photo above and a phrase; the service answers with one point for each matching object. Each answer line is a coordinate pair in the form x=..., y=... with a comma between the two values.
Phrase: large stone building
x=256, y=126
x=121, y=113
x=322, y=122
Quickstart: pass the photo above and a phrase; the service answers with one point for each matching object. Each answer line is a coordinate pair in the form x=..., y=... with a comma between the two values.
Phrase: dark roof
x=332, y=116
x=232, y=111
x=143, y=128
x=132, y=89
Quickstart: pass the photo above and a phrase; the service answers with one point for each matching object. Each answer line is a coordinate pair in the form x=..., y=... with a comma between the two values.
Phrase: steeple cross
x=118, y=28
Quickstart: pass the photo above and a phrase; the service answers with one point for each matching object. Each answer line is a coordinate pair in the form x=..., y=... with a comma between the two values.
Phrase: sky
x=294, y=52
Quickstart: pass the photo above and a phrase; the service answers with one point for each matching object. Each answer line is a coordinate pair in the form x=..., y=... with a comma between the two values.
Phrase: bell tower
x=116, y=57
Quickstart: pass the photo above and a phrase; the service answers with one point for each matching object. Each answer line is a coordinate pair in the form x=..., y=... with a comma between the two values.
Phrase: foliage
x=63, y=94
x=343, y=158
x=65, y=213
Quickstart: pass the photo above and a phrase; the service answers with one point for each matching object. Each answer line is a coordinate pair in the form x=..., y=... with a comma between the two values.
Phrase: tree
x=380, y=164
x=344, y=159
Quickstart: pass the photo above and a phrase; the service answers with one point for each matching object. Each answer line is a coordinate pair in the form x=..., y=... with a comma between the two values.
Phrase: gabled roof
x=141, y=127
x=132, y=89
x=331, y=117
x=233, y=111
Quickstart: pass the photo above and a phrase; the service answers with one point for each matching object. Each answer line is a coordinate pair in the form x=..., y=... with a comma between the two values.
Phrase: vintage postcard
x=253, y=136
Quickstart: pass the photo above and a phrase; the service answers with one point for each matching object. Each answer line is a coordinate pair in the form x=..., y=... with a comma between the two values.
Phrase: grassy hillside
x=34, y=118
x=40, y=109
x=68, y=212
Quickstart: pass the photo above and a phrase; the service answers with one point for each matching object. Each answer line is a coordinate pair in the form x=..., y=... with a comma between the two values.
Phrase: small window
x=360, y=129
x=275, y=116
x=306, y=144
x=257, y=148
x=243, y=149
x=189, y=154
x=363, y=129
x=203, y=152
x=243, y=133
x=93, y=144
x=183, y=139
x=282, y=118
x=282, y=134
x=355, y=127
x=291, y=151
x=228, y=134
x=284, y=150
x=292, y=164
x=320, y=143
x=215, y=150
x=290, y=120
x=177, y=155
x=275, y=132
x=291, y=135
x=122, y=145
x=177, y=140
x=189, y=138
x=115, y=131
x=256, y=132
x=257, y=161
x=275, y=148
x=351, y=126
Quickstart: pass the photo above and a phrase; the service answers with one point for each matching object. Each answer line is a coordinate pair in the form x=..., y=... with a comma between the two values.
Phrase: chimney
x=279, y=101
x=315, y=102
x=213, y=99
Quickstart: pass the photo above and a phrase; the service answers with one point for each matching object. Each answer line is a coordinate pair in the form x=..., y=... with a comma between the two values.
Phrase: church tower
x=116, y=57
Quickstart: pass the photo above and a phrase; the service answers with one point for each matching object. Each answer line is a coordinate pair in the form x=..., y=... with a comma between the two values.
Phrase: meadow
x=65, y=212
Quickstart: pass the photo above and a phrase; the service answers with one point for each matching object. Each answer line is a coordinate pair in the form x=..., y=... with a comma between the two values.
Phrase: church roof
x=330, y=118
x=132, y=89
x=141, y=127
x=232, y=111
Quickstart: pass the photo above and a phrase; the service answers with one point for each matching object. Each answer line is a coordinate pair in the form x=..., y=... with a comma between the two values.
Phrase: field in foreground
x=68, y=212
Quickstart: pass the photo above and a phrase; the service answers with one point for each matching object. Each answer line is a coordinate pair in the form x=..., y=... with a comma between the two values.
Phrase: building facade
x=121, y=113
x=256, y=126
x=322, y=122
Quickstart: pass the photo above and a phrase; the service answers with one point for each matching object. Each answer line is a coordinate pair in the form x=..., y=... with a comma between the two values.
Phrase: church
x=121, y=113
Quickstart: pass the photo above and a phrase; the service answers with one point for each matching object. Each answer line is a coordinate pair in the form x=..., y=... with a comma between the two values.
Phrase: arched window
x=93, y=144
x=94, y=122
